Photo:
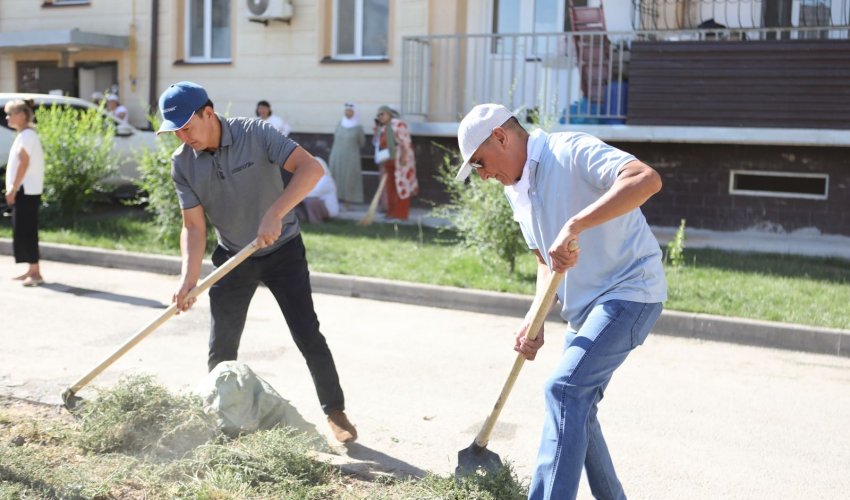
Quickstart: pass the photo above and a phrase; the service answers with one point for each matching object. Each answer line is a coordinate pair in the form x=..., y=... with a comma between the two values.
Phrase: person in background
x=24, y=183
x=395, y=155
x=97, y=98
x=264, y=111
x=344, y=161
x=571, y=193
x=245, y=178
x=322, y=202
x=115, y=108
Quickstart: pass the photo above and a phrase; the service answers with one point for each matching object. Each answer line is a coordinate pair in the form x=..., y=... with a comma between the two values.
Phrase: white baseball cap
x=475, y=128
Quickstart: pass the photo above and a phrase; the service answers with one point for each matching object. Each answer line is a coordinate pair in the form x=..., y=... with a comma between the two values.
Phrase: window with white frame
x=208, y=31
x=360, y=29
x=528, y=16
x=779, y=184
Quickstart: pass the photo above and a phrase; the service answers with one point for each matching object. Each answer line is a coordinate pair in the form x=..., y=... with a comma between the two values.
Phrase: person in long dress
x=395, y=155
x=344, y=160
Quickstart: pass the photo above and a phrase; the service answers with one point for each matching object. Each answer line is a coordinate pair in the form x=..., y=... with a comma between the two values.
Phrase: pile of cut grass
x=137, y=440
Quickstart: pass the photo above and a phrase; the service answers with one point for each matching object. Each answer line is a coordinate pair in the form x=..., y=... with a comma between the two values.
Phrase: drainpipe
x=152, y=96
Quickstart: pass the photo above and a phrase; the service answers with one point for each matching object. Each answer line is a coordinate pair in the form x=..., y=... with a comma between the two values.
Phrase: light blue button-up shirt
x=620, y=259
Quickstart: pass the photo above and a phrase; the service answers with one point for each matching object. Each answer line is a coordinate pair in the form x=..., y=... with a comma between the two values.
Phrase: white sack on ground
x=244, y=402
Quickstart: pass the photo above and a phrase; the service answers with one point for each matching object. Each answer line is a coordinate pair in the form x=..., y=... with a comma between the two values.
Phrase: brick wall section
x=696, y=183
x=696, y=186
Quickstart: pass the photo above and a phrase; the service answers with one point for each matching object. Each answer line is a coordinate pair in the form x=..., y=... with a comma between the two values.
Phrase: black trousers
x=286, y=275
x=25, y=227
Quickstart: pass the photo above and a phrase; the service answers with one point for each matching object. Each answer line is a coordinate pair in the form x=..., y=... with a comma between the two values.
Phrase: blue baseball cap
x=178, y=103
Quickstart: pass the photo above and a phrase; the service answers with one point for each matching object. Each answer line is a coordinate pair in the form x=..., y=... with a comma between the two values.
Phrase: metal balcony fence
x=686, y=14
x=554, y=78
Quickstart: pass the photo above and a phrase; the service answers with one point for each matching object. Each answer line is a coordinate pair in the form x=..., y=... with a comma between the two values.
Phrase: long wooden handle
x=373, y=206
x=200, y=288
x=539, y=309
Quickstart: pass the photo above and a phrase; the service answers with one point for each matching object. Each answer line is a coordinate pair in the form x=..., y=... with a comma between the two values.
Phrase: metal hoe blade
x=473, y=458
x=70, y=400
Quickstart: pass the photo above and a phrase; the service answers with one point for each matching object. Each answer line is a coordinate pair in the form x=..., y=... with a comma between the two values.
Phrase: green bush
x=480, y=213
x=675, y=254
x=158, y=194
x=78, y=156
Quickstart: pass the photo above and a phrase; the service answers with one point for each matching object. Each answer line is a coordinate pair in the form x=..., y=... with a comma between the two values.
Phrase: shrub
x=675, y=254
x=78, y=156
x=158, y=194
x=480, y=213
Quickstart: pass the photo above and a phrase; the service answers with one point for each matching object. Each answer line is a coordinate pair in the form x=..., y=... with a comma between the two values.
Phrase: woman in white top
x=115, y=108
x=24, y=183
x=264, y=111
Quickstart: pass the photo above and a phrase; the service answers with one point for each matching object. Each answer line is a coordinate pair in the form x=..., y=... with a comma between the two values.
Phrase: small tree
x=158, y=194
x=480, y=213
x=78, y=156
x=479, y=210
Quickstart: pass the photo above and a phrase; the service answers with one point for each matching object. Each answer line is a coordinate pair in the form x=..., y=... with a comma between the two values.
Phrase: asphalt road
x=683, y=418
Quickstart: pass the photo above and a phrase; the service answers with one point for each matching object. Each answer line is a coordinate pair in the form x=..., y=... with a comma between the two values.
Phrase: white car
x=127, y=143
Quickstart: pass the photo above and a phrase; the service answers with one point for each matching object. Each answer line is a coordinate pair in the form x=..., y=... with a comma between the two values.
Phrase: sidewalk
x=690, y=325
x=803, y=242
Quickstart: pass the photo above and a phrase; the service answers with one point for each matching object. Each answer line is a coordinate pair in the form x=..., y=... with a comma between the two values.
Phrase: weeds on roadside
x=675, y=254
x=502, y=484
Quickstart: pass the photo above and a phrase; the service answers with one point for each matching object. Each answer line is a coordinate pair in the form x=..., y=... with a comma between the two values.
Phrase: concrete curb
x=690, y=325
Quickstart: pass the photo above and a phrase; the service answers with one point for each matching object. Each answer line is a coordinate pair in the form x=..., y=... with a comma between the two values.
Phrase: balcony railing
x=578, y=77
x=685, y=14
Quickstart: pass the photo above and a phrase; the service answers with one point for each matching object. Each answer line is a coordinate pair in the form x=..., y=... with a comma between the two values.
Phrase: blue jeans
x=572, y=437
x=286, y=275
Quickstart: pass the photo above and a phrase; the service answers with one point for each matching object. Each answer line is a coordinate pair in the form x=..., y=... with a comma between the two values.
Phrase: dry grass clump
x=137, y=440
x=139, y=416
x=502, y=484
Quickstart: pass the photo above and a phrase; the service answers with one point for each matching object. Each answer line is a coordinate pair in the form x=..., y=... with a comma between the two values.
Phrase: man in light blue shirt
x=564, y=188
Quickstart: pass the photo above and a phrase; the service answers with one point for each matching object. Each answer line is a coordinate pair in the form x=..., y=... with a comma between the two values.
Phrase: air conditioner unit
x=263, y=11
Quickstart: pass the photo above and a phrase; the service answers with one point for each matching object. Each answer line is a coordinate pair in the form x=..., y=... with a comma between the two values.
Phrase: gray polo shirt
x=239, y=182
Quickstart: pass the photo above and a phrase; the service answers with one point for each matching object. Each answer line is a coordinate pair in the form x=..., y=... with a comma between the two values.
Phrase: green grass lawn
x=794, y=289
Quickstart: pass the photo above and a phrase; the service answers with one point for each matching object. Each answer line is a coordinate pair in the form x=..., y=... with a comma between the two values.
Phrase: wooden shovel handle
x=539, y=309
x=200, y=288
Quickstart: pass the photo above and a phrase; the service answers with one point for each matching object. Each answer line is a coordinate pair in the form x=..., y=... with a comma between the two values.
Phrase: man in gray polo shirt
x=564, y=189
x=246, y=177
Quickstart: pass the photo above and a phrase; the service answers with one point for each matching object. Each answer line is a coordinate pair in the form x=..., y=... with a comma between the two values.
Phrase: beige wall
x=107, y=17
x=281, y=62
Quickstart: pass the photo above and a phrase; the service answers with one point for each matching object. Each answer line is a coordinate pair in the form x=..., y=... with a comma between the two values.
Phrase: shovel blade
x=475, y=457
x=70, y=400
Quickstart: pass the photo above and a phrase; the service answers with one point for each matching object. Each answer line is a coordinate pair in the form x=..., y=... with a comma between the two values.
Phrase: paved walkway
x=692, y=325
x=803, y=242
x=684, y=418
